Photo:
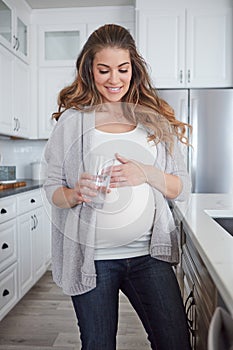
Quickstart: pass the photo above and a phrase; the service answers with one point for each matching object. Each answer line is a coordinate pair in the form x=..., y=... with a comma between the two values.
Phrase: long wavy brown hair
x=83, y=94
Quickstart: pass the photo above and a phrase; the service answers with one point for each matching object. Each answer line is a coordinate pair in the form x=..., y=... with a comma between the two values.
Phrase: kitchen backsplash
x=21, y=153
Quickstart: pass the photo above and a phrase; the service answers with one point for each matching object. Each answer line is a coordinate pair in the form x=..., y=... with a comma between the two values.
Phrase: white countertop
x=213, y=243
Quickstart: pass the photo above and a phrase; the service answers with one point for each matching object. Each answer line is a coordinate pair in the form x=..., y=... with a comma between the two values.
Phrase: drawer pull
x=5, y=246
x=5, y=293
x=3, y=211
x=33, y=200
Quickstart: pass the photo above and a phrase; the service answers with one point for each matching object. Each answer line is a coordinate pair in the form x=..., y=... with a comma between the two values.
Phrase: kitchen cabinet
x=14, y=95
x=21, y=98
x=60, y=37
x=25, y=233
x=186, y=46
x=14, y=25
x=25, y=225
x=51, y=81
x=59, y=46
x=6, y=91
x=34, y=240
x=8, y=290
x=199, y=293
x=8, y=256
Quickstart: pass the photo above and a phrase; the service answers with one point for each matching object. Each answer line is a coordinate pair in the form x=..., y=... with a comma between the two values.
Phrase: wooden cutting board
x=12, y=185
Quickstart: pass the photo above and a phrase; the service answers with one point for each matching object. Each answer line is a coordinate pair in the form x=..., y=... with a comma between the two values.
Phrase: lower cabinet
x=25, y=245
x=199, y=293
x=25, y=253
x=8, y=289
x=33, y=239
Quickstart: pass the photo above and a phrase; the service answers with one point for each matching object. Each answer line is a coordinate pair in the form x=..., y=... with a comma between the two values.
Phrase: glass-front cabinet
x=14, y=29
x=60, y=46
x=6, y=24
x=22, y=37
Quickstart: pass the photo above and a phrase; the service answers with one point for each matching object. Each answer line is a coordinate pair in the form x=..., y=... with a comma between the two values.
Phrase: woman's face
x=112, y=72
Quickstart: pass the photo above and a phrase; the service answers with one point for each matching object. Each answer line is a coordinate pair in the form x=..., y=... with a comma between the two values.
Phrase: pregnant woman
x=130, y=244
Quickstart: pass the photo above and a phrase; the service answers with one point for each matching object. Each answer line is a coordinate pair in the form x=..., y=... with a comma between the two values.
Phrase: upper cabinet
x=14, y=95
x=14, y=26
x=59, y=45
x=186, y=47
x=58, y=37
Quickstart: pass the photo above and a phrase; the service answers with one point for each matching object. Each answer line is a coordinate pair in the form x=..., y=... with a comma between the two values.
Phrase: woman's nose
x=114, y=77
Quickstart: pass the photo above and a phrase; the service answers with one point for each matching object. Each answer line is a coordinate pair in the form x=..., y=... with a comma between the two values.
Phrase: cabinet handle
x=5, y=246
x=181, y=76
x=36, y=221
x=189, y=76
x=5, y=292
x=33, y=224
x=15, y=44
x=15, y=124
x=18, y=44
x=187, y=310
x=18, y=124
x=33, y=200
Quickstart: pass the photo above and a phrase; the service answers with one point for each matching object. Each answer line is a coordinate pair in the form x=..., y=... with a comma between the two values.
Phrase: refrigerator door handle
x=193, y=140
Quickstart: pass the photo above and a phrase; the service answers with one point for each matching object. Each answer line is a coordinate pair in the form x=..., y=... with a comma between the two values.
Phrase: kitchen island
x=206, y=268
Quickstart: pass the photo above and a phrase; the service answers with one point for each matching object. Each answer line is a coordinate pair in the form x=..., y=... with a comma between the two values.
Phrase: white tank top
x=124, y=225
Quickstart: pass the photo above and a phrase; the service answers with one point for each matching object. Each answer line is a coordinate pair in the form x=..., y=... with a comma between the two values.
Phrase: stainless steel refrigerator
x=210, y=112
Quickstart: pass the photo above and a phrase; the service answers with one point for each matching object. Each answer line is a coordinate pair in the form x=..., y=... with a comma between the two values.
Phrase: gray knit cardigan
x=73, y=229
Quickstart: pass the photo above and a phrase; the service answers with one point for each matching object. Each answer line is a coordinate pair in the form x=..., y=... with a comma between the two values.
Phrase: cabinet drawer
x=7, y=208
x=8, y=248
x=204, y=284
x=28, y=201
x=8, y=290
x=205, y=293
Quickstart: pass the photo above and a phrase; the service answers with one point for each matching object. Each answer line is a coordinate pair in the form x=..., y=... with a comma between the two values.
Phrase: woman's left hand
x=128, y=173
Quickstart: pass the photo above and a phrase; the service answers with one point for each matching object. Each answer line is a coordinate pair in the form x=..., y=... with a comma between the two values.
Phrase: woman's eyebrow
x=105, y=65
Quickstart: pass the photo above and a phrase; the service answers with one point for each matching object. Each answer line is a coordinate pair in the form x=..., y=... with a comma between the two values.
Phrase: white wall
x=21, y=153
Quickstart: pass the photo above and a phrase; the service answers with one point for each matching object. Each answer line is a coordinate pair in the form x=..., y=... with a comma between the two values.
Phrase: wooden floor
x=44, y=320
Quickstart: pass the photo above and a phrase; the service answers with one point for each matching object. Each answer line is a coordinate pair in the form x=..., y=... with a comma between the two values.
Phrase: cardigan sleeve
x=56, y=153
x=175, y=164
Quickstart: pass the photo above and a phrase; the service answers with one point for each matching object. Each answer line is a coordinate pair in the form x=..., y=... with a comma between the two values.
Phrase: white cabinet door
x=21, y=98
x=25, y=228
x=6, y=91
x=6, y=23
x=59, y=45
x=209, y=47
x=161, y=41
x=32, y=248
x=187, y=47
x=14, y=95
x=51, y=81
x=22, y=36
x=8, y=290
x=14, y=25
x=47, y=212
x=8, y=245
x=38, y=243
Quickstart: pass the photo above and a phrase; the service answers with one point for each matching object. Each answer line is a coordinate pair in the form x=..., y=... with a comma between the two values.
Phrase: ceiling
x=46, y=4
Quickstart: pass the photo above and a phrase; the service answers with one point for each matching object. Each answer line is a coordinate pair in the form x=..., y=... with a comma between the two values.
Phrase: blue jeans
x=153, y=291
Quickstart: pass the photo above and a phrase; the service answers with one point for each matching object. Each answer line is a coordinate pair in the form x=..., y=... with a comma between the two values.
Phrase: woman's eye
x=103, y=71
x=123, y=70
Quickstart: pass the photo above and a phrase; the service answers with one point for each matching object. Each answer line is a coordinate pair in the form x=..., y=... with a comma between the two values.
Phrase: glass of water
x=100, y=167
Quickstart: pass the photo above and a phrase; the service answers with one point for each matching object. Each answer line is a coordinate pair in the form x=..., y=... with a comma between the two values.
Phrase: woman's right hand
x=83, y=190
